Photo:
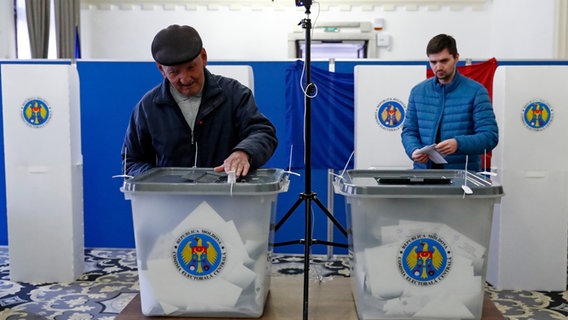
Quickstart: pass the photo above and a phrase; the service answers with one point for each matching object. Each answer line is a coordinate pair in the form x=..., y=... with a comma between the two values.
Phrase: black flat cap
x=175, y=45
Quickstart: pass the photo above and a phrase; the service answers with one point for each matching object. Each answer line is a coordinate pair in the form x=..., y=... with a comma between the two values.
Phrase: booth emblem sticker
x=199, y=254
x=537, y=115
x=36, y=113
x=390, y=114
x=424, y=259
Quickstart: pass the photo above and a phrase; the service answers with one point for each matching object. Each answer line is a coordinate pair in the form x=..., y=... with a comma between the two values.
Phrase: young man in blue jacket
x=449, y=110
x=195, y=118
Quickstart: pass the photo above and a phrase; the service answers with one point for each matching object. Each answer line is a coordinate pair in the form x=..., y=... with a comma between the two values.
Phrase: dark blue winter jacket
x=228, y=120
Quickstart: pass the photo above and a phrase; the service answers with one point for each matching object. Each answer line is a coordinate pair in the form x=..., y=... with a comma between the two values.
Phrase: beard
x=444, y=76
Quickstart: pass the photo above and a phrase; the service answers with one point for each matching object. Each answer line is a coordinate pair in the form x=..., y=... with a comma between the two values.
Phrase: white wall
x=495, y=28
x=522, y=31
x=258, y=30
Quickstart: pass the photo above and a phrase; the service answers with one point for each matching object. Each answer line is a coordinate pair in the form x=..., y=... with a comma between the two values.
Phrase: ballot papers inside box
x=203, y=245
x=418, y=242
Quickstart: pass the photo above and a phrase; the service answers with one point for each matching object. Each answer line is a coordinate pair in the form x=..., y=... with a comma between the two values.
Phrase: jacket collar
x=450, y=86
x=210, y=89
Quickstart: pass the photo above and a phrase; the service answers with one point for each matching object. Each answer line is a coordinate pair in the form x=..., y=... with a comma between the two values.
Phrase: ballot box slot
x=412, y=180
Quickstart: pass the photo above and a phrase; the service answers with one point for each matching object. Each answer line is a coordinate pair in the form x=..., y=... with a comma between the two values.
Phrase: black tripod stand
x=308, y=196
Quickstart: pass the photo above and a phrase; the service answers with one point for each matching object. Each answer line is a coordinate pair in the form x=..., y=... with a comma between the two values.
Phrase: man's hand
x=419, y=156
x=238, y=162
x=447, y=147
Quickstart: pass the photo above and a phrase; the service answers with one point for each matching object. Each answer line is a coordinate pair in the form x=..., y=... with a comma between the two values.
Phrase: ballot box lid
x=416, y=183
x=206, y=181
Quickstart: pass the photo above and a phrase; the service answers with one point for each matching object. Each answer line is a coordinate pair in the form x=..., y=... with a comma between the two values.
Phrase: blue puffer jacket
x=461, y=110
x=228, y=119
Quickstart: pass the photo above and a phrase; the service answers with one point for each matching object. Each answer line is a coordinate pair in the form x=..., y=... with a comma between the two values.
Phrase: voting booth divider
x=381, y=95
x=529, y=240
x=44, y=171
x=242, y=73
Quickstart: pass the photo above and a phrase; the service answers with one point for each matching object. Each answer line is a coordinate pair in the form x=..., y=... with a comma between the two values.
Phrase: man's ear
x=203, y=55
x=161, y=68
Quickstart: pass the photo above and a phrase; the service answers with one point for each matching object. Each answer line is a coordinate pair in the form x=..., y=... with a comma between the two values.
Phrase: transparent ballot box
x=204, y=244
x=418, y=241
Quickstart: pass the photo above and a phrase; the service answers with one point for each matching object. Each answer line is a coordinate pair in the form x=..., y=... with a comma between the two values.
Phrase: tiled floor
x=110, y=282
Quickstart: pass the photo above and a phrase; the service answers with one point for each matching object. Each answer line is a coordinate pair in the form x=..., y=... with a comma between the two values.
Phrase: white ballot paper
x=434, y=155
x=462, y=244
x=457, y=295
x=165, y=290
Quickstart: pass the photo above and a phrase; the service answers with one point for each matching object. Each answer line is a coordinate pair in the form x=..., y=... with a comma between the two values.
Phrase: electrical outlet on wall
x=383, y=40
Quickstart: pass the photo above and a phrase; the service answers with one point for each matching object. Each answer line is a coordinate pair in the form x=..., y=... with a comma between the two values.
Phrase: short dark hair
x=441, y=42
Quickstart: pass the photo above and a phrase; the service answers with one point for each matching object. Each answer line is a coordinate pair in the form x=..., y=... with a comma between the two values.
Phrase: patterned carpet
x=110, y=281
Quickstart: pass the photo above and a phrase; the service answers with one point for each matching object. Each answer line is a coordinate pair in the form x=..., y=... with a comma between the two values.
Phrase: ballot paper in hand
x=433, y=154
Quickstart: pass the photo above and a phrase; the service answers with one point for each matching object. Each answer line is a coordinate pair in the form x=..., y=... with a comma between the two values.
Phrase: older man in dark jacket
x=195, y=118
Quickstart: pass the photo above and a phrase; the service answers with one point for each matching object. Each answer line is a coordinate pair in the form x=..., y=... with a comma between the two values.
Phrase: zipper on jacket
x=438, y=133
x=196, y=149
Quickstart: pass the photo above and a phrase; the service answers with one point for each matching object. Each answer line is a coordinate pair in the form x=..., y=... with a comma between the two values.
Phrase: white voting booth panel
x=43, y=162
x=529, y=235
x=243, y=74
x=377, y=141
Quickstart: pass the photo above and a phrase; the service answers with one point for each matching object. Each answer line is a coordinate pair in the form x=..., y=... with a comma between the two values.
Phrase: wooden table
x=329, y=300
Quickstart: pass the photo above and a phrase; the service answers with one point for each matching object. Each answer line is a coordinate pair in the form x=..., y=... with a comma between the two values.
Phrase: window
x=333, y=50
x=333, y=40
x=23, y=50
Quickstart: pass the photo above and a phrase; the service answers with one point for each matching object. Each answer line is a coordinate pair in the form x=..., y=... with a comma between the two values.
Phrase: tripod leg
x=330, y=216
x=307, y=245
x=289, y=213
